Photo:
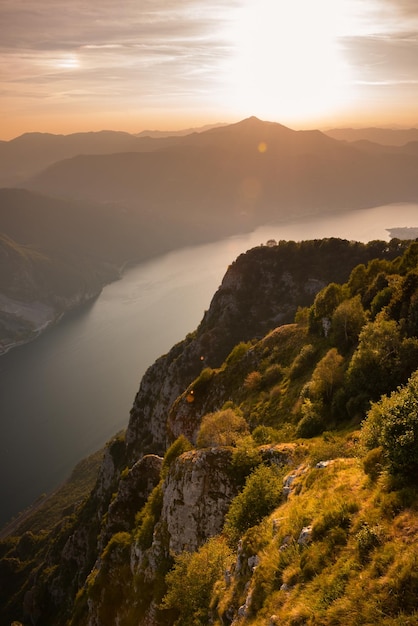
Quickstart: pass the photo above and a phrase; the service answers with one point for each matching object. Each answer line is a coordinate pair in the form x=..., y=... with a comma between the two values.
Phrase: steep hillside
x=248, y=488
x=56, y=254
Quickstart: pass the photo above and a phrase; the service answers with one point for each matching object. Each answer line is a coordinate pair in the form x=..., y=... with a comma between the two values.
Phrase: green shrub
x=190, y=583
x=203, y=380
x=265, y=434
x=374, y=462
x=245, y=458
x=273, y=374
x=312, y=423
x=180, y=445
x=148, y=517
x=393, y=424
x=327, y=376
x=223, y=428
x=262, y=493
x=303, y=361
x=237, y=353
x=367, y=539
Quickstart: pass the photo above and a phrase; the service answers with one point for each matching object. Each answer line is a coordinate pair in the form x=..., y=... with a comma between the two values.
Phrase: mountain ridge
x=250, y=419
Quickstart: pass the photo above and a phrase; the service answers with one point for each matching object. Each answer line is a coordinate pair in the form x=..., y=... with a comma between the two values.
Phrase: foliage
x=148, y=516
x=303, y=361
x=180, y=445
x=202, y=381
x=252, y=381
x=190, y=583
x=265, y=434
x=237, y=353
x=347, y=321
x=245, y=458
x=223, y=428
x=262, y=493
x=392, y=423
x=327, y=376
x=312, y=422
x=376, y=366
x=361, y=508
x=327, y=300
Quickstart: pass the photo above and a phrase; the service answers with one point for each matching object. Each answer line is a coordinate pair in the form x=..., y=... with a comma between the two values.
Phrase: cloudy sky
x=75, y=65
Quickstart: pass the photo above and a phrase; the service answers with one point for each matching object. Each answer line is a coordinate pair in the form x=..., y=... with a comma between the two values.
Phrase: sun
x=287, y=58
x=67, y=62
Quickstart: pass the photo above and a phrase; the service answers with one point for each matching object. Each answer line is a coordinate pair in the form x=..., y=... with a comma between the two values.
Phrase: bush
x=367, y=539
x=265, y=434
x=327, y=376
x=190, y=583
x=303, y=361
x=373, y=462
x=180, y=445
x=223, y=428
x=312, y=423
x=262, y=493
x=148, y=517
x=245, y=458
x=252, y=381
x=393, y=424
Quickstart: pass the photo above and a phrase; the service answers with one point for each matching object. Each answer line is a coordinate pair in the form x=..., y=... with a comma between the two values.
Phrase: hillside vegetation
x=280, y=486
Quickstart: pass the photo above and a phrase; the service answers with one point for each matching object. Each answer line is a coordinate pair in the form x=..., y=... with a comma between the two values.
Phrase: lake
x=65, y=394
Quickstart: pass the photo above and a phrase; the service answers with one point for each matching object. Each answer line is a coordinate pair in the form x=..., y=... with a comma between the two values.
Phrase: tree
x=327, y=376
x=347, y=321
x=357, y=283
x=325, y=303
x=327, y=300
x=374, y=367
x=392, y=423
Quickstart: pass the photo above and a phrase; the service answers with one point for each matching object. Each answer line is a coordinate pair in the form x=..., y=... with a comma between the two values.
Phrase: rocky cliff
x=234, y=396
x=261, y=290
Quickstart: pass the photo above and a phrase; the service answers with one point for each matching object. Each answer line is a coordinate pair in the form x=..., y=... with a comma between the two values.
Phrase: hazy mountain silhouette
x=30, y=153
x=384, y=136
x=176, y=133
x=238, y=176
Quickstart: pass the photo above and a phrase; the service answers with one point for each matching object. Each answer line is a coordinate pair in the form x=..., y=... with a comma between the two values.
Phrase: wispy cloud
x=128, y=41
x=58, y=54
x=384, y=57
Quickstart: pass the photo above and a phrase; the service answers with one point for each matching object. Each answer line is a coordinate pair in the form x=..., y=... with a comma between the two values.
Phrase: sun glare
x=287, y=61
x=69, y=62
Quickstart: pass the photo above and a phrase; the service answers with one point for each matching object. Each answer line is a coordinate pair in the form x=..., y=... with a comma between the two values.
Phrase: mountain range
x=83, y=206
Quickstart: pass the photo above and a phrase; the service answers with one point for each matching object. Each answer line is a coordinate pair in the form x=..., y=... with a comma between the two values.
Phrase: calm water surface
x=64, y=395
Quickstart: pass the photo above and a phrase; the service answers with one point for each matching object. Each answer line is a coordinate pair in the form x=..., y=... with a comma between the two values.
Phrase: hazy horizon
x=185, y=130
x=89, y=65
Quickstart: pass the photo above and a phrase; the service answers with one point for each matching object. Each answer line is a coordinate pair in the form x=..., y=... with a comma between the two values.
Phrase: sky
x=78, y=65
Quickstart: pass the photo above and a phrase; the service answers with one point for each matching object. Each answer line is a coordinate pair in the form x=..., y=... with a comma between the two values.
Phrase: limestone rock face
x=197, y=493
x=133, y=492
